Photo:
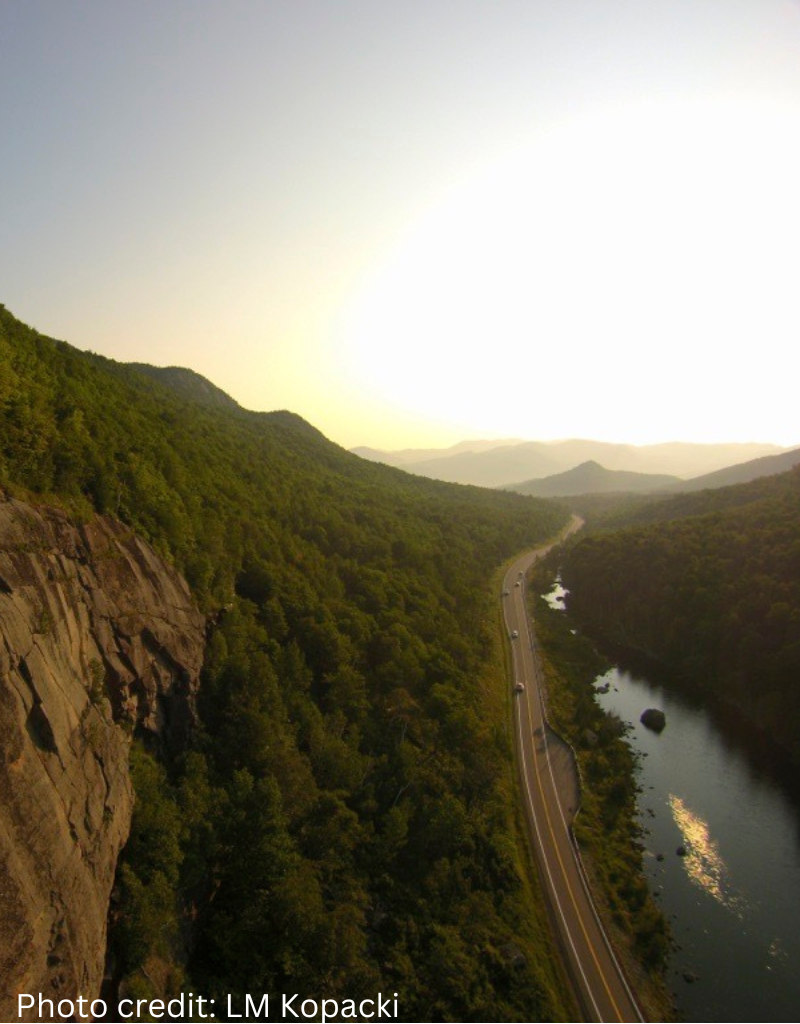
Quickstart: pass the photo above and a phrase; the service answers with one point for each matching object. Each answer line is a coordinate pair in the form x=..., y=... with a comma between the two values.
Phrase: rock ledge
x=98, y=637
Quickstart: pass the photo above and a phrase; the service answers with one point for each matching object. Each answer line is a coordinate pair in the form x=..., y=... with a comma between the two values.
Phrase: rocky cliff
x=98, y=638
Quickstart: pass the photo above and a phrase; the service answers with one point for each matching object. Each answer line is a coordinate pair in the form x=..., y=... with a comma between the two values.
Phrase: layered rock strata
x=98, y=638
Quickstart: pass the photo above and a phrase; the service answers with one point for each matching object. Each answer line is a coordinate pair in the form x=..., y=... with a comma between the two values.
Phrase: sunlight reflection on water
x=556, y=596
x=703, y=862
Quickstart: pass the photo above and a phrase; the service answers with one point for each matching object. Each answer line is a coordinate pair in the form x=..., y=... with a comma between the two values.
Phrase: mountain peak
x=188, y=384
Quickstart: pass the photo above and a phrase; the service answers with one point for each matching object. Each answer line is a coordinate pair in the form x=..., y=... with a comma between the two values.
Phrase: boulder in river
x=653, y=719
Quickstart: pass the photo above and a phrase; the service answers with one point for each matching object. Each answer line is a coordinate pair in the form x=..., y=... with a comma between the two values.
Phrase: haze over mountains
x=742, y=472
x=592, y=478
x=515, y=464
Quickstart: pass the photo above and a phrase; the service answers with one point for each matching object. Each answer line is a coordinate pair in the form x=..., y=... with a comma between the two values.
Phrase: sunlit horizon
x=417, y=227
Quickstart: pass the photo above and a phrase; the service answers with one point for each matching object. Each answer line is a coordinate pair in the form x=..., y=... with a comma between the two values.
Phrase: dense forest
x=707, y=585
x=343, y=820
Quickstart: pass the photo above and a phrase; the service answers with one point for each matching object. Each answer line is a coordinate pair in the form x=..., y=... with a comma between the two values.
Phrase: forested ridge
x=343, y=822
x=708, y=585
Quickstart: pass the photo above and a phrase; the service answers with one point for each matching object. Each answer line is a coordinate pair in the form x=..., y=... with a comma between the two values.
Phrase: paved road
x=602, y=990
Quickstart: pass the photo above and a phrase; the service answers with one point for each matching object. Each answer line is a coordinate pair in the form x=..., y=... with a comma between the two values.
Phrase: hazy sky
x=422, y=221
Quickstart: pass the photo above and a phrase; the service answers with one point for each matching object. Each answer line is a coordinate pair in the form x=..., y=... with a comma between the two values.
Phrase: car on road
x=518, y=584
x=519, y=686
x=506, y=593
x=514, y=634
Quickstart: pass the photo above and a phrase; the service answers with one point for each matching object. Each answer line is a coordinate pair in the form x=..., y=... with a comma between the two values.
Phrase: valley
x=339, y=801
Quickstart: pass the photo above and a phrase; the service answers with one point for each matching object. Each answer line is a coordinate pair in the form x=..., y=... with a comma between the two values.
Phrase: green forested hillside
x=188, y=384
x=712, y=592
x=591, y=478
x=616, y=513
x=343, y=823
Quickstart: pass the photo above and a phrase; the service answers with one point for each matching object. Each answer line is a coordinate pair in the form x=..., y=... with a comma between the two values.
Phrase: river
x=733, y=900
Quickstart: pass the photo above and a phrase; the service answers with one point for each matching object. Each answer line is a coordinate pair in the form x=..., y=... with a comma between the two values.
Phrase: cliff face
x=97, y=636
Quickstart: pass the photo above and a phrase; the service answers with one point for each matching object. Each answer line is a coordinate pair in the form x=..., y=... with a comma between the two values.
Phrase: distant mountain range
x=592, y=478
x=506, y=463
x=412, y=456
x=742, y=473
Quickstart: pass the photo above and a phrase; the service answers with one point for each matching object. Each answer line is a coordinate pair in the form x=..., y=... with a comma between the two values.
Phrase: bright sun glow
x=631, y=275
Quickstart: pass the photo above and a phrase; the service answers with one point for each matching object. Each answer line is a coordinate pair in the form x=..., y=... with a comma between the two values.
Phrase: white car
x=517, y=584
x=519, y=686
x=514, y=634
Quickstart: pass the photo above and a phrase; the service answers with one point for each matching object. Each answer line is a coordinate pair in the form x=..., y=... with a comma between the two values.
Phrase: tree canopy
x=708, y=584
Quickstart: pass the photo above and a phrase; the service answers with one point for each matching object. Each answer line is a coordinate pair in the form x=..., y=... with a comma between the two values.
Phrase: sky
x=423, y=222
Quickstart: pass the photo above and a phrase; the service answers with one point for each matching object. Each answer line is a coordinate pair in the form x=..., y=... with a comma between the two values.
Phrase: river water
x=733, y=900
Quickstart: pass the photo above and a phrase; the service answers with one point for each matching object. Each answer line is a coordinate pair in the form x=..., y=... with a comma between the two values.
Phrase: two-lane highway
x=599, y=982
